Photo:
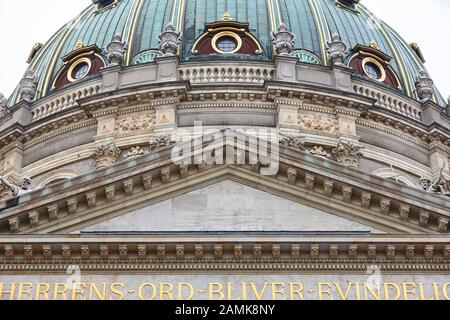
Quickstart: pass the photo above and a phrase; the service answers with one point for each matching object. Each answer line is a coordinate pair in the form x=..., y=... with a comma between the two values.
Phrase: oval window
x=227, y=44
x=80, y=71
x=373, y=71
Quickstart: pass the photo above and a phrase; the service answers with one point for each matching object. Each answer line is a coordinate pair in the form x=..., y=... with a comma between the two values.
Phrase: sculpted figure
x=17, y=190
x=3, y=108
x=440, y=187
x=28, y=86
x=424, y=85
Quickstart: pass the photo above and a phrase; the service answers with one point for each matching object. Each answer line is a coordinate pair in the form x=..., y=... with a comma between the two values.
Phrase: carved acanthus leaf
x=134, y=152
x=106, y=155
x=161, y=142
x=348, y=153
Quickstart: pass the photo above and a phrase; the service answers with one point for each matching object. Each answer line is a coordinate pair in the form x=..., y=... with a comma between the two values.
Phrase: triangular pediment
x=154, y=194
x=229, y=206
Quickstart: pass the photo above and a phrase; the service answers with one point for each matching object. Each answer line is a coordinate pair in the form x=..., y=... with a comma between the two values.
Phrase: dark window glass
x=80, y=71
x=226, y=44
x=372, y=70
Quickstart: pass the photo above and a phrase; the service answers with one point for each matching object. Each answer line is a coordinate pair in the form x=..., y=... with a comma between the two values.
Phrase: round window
x=372, y=70
x=80, y=71
x=227, y=44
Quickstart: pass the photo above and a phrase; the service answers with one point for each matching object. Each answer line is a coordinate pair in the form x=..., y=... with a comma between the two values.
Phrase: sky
x=24, y=23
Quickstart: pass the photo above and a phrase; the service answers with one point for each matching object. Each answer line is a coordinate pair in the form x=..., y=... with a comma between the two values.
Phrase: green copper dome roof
x=141, y=21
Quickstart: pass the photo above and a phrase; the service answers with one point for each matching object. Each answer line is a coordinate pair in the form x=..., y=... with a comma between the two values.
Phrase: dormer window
x=348, y=4
x=370, y=62
x=104, y=4
x=81, y=63
x=226, y=37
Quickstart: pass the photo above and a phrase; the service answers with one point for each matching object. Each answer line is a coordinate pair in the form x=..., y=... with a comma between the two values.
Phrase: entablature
x=62, y=207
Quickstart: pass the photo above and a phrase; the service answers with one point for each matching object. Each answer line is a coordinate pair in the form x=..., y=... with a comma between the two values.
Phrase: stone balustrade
x=227, y=73
x=389, y=99
x=66, y=99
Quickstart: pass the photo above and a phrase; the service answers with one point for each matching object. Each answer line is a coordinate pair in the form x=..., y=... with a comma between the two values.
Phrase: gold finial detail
x=227, y=17
x=374, y=44
x=79, y=45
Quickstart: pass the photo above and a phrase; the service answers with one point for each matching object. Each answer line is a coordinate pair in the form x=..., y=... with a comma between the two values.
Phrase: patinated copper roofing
x=141, y=21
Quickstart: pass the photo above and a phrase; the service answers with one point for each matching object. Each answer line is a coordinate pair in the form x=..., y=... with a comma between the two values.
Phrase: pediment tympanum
x=228, y=206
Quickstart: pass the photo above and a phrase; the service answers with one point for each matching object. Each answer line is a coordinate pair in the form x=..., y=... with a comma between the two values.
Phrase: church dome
x=140, y=22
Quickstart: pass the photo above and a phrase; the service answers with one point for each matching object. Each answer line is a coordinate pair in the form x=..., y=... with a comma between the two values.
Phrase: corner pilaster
x=347, y=123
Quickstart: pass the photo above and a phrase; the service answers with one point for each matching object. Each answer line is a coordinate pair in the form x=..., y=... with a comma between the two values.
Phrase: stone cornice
x=232, y=252
x=83, y=199
x=182, y=94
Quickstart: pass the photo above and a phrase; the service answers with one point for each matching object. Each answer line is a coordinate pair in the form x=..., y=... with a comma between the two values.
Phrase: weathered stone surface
x=228, y=206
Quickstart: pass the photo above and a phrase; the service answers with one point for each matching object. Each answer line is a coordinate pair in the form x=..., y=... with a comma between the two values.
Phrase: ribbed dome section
x=141, y=21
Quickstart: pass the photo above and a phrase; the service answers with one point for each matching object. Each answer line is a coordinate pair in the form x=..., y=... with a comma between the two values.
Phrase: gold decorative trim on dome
x=392, y=47
x=374, y=44
x=76, y=64
x=78, y=45
x=135, y=14
x=321, y=27
x=37, y=46
x=378, y=65
x=227, y=17
x=69, y=28
x=237, y=30
x=223, y=34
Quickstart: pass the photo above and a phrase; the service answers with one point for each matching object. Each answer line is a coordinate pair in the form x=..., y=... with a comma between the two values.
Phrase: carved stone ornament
x=3, y=107
x=320, y=152
x=348, y=153
x=337, y=50
x=135, y=152
x=116, y=50
x=169, y=41
x=440, y=187
x=10, y=188
x=106, y=156
x=161, y=142
x=292, y=141
x=424, y=85
x=283, y=41
x=292, y=175
x=28, y=86
x=320, y=123
x=136, y=123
